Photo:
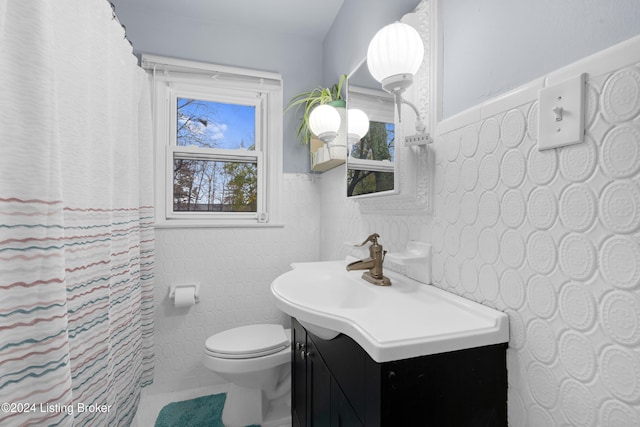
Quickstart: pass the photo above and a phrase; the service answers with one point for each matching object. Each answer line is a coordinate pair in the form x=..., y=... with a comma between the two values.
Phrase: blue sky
x=226, y=124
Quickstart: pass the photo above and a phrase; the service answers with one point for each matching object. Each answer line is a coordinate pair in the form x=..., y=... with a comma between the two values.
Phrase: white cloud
x=215, y=131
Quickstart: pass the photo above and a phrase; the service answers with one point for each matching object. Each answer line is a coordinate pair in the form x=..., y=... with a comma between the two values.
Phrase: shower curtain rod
x=115, y=16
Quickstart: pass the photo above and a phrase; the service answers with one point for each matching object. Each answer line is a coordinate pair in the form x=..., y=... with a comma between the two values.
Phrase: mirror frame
x=413, y=184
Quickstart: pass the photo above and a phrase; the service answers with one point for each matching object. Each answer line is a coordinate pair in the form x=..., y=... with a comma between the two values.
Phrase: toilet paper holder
x=196, y=291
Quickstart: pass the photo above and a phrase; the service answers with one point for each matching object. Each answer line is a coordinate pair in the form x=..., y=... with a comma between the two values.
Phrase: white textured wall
x=235, y=267
x=551, y=238
x=342, y=222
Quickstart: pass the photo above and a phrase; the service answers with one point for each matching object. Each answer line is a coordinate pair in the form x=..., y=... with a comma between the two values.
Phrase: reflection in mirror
x=370, y=164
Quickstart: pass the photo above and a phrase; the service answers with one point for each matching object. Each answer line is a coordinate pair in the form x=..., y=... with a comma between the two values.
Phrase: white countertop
x=407, y=319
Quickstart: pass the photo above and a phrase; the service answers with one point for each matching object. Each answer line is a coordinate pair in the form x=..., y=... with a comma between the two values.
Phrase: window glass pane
x=377, y=144
x=214, y=186
x=212, y=124
x=365, y=182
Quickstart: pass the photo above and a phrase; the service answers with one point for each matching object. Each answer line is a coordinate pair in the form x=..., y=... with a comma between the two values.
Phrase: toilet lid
x=248, y=341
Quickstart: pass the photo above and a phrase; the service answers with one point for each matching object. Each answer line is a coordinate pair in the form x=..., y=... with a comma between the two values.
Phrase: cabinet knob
x=300, y=346
x=391, y=376
x=304, y=354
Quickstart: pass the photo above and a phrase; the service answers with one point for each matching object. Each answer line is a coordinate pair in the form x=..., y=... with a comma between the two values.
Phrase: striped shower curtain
x=76, y=236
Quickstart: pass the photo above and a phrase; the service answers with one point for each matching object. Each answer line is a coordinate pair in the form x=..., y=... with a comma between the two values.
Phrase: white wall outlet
x=561, y=113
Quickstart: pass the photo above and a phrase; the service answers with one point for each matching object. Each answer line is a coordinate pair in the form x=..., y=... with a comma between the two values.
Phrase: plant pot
x=338, y=147
x=321, y=158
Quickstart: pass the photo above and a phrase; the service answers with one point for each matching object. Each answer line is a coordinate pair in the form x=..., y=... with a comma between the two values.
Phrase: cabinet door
x=298, y=375
x=342, y=413
x=318, y=388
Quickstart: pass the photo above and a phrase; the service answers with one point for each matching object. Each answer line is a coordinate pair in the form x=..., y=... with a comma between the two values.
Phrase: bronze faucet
x=373, y=263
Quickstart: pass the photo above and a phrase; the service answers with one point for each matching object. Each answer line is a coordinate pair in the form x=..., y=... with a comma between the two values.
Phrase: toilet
x=256, y=361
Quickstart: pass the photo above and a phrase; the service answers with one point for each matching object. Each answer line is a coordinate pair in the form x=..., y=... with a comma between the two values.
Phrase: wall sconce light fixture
x=324, y=122
x=394, y=56
x=358, y=125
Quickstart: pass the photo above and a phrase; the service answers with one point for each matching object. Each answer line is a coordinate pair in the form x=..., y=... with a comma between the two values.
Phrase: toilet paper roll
x=185, y=297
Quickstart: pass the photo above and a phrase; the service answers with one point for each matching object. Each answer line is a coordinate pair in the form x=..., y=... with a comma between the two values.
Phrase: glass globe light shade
x=324, y=122
x=395, y=55
x=358, y=125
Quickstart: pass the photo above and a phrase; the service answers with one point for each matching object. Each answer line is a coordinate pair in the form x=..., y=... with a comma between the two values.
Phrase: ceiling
x=307, y=18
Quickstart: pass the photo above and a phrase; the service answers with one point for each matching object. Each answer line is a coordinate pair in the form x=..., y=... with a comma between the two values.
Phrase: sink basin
x=321, y=291
x=407, y=319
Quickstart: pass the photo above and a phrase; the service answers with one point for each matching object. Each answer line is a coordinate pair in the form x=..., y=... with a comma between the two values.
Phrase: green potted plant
x=309, y=100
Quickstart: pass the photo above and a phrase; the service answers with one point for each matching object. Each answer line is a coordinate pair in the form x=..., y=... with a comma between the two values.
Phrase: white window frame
x=172, y=79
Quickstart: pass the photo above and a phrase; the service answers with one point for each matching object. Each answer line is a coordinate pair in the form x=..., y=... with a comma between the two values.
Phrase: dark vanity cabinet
x=317, y=399
x=336, y=383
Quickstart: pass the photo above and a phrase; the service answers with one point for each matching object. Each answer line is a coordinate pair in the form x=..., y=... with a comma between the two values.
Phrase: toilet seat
x=247, y=342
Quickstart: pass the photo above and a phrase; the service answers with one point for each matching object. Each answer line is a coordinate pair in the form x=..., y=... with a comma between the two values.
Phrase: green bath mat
x=205, y=411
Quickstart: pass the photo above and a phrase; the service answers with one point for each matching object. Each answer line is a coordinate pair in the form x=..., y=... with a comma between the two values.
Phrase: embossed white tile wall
x=235, y=268
x=553, y=242
x=342, y=222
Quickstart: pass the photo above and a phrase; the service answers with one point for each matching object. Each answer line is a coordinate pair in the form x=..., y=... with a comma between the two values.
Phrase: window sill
x=221, y=224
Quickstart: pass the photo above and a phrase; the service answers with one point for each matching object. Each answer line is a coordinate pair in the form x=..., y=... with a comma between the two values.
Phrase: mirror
x=371, y=160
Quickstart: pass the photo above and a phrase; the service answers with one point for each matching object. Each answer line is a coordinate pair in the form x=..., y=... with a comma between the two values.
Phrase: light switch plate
x=561, y=113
